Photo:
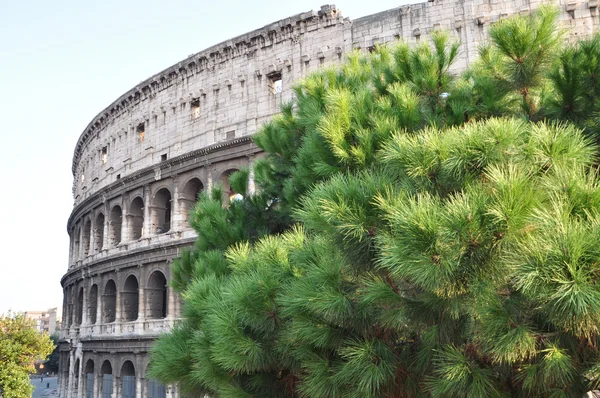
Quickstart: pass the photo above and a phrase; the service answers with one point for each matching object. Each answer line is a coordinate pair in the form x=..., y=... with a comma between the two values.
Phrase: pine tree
x=405, y=241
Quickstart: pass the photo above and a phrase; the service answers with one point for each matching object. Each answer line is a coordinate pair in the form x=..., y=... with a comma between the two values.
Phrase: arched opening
x=190, y=194
x=106, y=385
x=130, y=299
x=76, y=242
x=155, y=389
x=76, y=379
x=93, y=304
x=109, y=301
x=99, y=233
x=157, y=295
x=114, y=226
x=161, y=211
x=229, y=194
x=128, y=380
x=79, y=307
x=136, y=219
x=87, y=231
x=89, y=379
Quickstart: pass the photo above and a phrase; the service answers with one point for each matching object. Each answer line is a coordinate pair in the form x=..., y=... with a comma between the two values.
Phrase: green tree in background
x=20, y=346
x=414, y=233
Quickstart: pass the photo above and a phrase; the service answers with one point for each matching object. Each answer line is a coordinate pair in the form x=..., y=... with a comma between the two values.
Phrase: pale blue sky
x=62, y=62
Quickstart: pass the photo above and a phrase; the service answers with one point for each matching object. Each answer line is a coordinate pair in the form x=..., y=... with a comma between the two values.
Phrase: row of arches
x=102, y=302
x=96, y=233
x=107, y=382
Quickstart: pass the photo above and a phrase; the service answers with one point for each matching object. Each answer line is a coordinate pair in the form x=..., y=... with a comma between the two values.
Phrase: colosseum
x=141, y=162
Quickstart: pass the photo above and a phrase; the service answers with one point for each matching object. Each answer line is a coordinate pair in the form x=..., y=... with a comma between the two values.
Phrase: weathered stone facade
x=139, y=165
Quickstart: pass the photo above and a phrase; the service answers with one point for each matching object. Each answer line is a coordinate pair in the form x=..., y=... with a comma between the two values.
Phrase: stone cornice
x=207, y=60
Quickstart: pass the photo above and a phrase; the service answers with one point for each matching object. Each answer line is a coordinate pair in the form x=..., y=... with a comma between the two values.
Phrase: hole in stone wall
x=114, y=226
x=275, y=83
x=93, y=304
x=99, y=233
x=109, y=302
x=87, y=231
x=136, y=211
x=104, y=155
x=195, y=108
x=141, y=132
x=130, y=299
x=79, y=309
x=230, y=135
x=157, y=295
x=161, y=211
x=163, y=157
x=106, y=384
x=192, y=189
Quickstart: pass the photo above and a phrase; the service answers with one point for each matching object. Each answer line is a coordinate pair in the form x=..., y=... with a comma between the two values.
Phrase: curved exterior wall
x=140, y=163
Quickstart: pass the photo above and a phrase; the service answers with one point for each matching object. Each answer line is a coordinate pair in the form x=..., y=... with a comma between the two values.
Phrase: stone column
x=92, y=244
x=96, y=381
x=177, y=218
x=209, y=182
x=251, y=187
x=71, y=374
x=81, y=249
x=141, y=297
x=147, y=214
x=84, y=307
x=115, y=385
x=105, y=226
x=118, y=301
x=81, y=383
x=138, y=385
x=124, y=223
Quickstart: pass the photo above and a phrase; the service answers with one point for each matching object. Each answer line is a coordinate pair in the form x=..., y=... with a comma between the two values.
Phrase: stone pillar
x=81, y=249
x=80, y=379
x=105, y=226
x=177, y=218
x=141, y=296
x=115, y=385
x=92, y=244
x=71, y=374
x=96, y=381
x=209, y=182
x=251, y=187
x=118, y=301
x=124, y=223
x=138, y=385
x=84, y=307
x=171, y=304
x=147, y=214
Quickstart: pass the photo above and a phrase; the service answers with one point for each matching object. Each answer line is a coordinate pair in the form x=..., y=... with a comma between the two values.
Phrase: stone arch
x=130, y=299
x=128, y=383
x=136, y=219
x=157, y=296
x=89, y=378
x=228, y=193
x=86, y=237
x=79, y=307
x=106, y=383
x=109, y=301
x=99, y=232
x=114, y=226
x=161, y=211
x=189, y=196
x=92, y=304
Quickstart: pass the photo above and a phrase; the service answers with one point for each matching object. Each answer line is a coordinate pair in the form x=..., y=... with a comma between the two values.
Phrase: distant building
x=45, y=321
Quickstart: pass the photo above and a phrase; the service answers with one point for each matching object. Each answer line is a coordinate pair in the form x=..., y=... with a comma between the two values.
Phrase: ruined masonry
x=141, y=162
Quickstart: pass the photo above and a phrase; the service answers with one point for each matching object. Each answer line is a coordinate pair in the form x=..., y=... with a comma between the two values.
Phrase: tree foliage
x=414, y=233
x=20, y=346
